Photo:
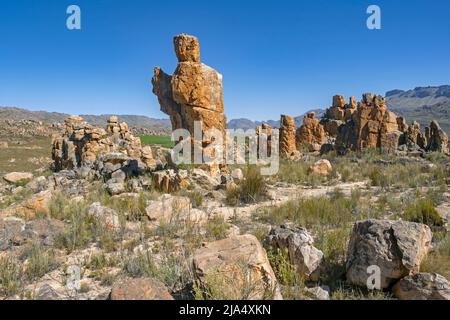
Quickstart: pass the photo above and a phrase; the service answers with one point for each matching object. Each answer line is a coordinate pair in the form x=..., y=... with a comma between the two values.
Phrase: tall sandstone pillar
x=288, y=149
x=193, y=93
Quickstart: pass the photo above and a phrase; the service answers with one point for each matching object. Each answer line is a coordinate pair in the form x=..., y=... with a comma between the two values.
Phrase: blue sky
x=275, y=56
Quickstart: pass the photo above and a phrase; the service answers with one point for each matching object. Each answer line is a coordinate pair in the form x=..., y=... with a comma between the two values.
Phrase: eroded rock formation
x=193, y=93
x=437, y=139
x=81, y=143
x=311, y=134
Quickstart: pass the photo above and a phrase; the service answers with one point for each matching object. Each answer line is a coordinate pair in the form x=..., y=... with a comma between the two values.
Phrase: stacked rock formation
x=193, y=93
x=287, y=147
x=338, y=114
x=81, y=144
x=311, y=134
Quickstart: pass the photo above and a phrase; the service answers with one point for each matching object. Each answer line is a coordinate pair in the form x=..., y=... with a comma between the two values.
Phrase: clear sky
x=275, y=56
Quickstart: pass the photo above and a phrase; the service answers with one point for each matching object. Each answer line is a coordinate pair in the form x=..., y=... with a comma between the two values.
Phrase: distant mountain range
x=421, y=104
x=14, y=113
x=245, y=124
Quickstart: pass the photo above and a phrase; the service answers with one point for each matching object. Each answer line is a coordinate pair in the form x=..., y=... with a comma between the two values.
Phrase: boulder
x=300, y=247
x=236, y=268
x=168, y=207
x=396, y=247
x=18, y=177
x=115, y=187
x=140, y=289
x=322, y=167
x=107, y=216
x=423, y=286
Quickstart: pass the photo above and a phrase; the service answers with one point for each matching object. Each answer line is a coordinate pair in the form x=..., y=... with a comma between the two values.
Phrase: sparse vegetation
x=10, y=281
x=251, y=189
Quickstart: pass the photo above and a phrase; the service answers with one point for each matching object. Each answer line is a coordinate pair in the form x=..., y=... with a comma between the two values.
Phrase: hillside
x=422, y=104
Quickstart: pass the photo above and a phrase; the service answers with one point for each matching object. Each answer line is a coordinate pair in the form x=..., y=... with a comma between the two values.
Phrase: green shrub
x=40, y=261
x=216, y=227
x=423, y=211
x=251, y=189
x=10, y=282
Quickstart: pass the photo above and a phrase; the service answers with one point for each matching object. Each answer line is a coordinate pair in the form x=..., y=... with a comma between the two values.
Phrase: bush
x=39, y=263
x=216, y=228
x=9, y=276
x=423, y=211
x=251, y=189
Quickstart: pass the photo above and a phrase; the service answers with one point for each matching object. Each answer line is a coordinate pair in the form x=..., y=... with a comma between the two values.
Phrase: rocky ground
x=310, y=232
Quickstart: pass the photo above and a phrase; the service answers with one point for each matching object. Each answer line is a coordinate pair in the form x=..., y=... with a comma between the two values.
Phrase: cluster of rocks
x=112, y=154
x=192, y=94
x=367, y=124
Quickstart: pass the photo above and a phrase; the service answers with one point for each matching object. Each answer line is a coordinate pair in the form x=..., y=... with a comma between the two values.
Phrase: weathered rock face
x=288, y=148
x=81, y=144
x=396, y=247
x=311, y=134
x=423, y=286
x=300, y=246
x=236, y=268
x=438, y=139
x=140, y=289
x=193, y=93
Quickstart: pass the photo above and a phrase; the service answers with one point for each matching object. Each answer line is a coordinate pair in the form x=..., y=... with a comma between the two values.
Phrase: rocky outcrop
x=299, y=245
x=370, y=125
x=423, y=286
x=311, y=134
x=415, y=137
x=288, y=149
x=139, y=289
x=81, y=144
x=235, y=268
x=193, y=93
x=396, y=247
x=438, y=139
